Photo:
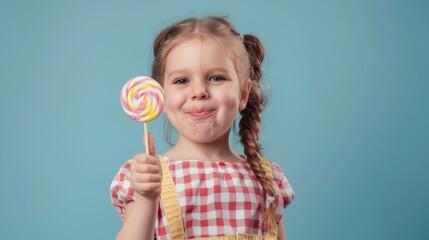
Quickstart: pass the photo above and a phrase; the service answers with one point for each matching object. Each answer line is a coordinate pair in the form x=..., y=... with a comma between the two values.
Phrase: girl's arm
x=139, y=220
x=282, y=231
x=141, y=214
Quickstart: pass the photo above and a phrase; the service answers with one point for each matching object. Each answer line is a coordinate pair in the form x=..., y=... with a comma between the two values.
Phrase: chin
x=203, y=139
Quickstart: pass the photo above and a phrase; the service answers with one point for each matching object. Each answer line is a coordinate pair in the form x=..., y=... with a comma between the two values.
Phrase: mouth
x=200, y=113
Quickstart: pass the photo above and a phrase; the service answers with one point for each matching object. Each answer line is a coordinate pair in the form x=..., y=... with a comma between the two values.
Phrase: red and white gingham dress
x=216, y=198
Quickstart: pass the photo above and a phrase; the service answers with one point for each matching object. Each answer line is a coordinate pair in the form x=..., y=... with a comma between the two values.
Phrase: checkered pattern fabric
x=216, y=198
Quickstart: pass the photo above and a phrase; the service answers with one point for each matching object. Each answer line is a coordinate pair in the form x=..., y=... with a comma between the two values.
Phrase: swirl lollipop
x=142, y=99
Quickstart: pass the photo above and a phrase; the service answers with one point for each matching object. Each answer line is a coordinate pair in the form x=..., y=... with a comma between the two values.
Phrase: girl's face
x=202, y=90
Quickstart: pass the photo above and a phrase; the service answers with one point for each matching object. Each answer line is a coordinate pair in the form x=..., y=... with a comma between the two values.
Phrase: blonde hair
x=247, y=54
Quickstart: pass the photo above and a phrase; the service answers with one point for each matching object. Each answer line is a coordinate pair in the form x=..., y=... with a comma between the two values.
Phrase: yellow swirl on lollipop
x=142, y=99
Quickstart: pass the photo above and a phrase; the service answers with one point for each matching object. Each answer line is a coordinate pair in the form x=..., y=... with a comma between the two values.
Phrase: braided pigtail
x=250, y=121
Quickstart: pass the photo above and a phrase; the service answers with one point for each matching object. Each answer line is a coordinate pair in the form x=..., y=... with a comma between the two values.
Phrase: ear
x=245, y=94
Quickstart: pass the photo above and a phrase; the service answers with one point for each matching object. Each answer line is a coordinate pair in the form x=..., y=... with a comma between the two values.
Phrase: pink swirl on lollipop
x=142, y=99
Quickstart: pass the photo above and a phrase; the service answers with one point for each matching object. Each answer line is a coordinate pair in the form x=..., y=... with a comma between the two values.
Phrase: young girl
x=200, y=188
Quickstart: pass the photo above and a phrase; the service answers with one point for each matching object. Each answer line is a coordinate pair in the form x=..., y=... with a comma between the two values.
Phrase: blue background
x=347, y=118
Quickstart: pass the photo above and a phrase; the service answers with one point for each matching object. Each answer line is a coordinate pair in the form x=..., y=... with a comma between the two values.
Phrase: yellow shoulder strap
x=266, y=165
x=170, y=202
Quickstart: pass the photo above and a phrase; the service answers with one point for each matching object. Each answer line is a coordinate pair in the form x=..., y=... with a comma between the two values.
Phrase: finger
x=143, y=158
x=149, y=187
x=146, y=168
x=146, y=187
x=147, y=178
x=152, y=149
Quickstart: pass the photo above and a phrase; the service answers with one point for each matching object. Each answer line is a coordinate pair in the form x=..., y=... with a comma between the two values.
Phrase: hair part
x=247, y=54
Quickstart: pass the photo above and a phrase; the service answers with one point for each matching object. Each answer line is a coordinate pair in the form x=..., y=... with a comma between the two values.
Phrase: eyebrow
x=214, y=69
x=176, y=71
x=218, y=69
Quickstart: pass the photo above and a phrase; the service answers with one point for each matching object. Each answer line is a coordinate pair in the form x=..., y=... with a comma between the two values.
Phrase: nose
x=199, y=91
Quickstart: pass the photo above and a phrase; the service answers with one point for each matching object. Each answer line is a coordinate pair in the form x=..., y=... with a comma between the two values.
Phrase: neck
x=218, y=150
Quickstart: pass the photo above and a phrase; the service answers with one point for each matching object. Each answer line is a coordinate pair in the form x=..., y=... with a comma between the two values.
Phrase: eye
x=216, y=78
x=181, y=81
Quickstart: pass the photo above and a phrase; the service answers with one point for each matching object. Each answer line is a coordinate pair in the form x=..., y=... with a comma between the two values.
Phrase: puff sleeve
x=284, y=191
x=121, y=190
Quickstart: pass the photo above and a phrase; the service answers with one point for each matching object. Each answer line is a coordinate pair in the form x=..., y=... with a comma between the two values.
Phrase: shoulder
x=121, y=190
x=282, y=184
x=278, y=173
x=125, y=168
x=122, y=177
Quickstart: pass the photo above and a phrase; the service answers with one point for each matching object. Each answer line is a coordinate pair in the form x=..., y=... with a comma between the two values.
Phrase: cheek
x=172, y=101
x=230, y=99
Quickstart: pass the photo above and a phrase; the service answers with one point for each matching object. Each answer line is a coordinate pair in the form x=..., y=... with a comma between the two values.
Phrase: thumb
x=151, y=145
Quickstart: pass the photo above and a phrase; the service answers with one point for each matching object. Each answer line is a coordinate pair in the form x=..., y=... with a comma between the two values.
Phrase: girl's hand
x=146, y=173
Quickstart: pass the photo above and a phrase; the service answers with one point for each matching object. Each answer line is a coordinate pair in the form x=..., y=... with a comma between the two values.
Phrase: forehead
x=203, y=51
